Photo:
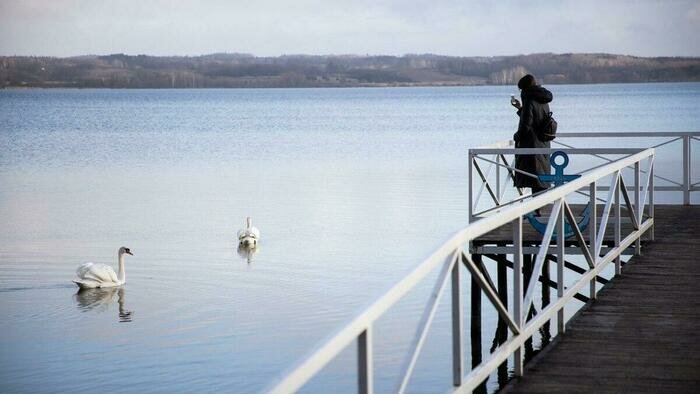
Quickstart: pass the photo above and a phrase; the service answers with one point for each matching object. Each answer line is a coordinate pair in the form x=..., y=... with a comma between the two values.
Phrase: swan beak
x=129, y=253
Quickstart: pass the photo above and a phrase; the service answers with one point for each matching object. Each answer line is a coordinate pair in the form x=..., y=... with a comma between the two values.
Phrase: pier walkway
x=640, y=335
x=556, y=247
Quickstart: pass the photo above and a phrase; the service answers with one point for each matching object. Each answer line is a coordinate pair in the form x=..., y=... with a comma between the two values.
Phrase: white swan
x=250, y=235
x=91, y=275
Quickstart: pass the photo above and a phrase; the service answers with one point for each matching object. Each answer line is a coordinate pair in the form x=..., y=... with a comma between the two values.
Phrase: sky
x=375, y=27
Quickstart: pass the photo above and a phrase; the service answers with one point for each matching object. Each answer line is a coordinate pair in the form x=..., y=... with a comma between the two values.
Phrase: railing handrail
x=299, y=374
x=687, y=185
x=507, y=147
x=636, y=134
x=569, y=151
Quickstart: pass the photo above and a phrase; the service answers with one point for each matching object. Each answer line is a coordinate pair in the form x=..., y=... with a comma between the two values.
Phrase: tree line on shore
x=247, y=71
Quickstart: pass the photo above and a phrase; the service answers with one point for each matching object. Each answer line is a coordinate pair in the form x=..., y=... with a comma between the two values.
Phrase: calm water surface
x=350, y=188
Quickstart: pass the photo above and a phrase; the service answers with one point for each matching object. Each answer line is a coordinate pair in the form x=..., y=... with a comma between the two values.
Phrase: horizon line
x=367, y=55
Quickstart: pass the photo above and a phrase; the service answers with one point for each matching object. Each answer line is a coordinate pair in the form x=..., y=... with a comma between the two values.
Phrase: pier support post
x=639, y=210
x=651, y=199
x=365, y=377
x=476, y=322
x=686, y=170
x=528, y=261
x=545, y=331
x=518, y=289
x=560, y=268
x=618, y=224
x=502, y=328
x=502, y=273
x=592, y=228
x=457, y=363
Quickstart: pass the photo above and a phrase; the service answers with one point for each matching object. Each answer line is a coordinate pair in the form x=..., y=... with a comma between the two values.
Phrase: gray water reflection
x=247, y=252
x=101, y=300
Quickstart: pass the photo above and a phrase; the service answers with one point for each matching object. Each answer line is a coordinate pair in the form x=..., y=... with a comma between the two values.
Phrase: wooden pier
x=636, y=334
x=640, y=334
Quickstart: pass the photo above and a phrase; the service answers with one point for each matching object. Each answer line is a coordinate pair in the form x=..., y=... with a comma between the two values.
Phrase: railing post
x=457, y=357
x=618, y=224
x=471, y=187
x=686, y=170
x=365, y=378
x=592, y=228
x=518, y=289
x=639, y=210
x=560, y=268
x=498, y=179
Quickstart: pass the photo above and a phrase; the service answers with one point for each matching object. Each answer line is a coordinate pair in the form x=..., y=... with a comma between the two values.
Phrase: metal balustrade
x=497, y=157
x=454, y=253
x=685, y=139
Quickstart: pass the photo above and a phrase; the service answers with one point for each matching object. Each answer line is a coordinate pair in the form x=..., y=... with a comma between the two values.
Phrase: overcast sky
x=393, y=27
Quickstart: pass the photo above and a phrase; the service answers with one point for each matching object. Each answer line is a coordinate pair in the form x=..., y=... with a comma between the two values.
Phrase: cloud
x=273, y=27
x=694, y=14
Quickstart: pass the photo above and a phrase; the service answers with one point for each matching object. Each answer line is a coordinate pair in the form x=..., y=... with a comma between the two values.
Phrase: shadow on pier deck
x=640, y=335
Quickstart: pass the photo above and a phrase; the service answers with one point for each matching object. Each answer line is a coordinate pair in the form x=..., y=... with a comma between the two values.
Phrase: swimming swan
x=250, y=235
x=91, y=275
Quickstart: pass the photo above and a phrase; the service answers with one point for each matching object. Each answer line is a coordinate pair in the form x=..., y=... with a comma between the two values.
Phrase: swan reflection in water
x=100, y=300
x=247, y=252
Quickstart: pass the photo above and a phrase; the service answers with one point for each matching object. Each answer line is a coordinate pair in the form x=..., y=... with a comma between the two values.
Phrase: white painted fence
x=491, y=170
x=454, y=253
x=684, y=139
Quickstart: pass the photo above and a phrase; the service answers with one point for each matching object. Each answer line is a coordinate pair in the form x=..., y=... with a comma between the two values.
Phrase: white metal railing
x=498, y=156
x=447, y=258
x=685, y=139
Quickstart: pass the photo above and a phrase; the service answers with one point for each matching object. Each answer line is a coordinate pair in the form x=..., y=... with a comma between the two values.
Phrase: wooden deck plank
x=641, y=335
x=531, y=236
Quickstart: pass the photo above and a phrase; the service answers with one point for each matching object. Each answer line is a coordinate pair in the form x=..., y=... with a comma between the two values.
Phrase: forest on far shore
x=234, y=70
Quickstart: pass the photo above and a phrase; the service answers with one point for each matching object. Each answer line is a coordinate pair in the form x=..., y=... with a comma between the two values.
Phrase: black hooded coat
x=535, y=108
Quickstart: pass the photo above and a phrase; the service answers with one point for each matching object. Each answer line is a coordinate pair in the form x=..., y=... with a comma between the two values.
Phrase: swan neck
x=122, y=273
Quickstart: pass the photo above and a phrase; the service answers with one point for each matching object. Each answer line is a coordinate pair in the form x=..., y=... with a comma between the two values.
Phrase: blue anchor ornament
x=559, y=179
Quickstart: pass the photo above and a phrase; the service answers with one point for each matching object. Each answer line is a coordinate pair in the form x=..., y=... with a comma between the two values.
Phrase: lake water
x=351, y=189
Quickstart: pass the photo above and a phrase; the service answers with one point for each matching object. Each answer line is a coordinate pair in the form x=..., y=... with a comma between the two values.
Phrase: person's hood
x=537, y=93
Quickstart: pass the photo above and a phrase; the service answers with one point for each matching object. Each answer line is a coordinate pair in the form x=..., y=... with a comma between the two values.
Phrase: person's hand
x=515, y=103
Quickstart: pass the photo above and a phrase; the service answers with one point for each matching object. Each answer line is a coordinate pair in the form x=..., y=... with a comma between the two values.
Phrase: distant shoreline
x=10, y=88
x=301, y=71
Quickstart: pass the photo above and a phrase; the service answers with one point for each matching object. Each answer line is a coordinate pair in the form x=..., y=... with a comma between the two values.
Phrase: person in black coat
x=533, y=111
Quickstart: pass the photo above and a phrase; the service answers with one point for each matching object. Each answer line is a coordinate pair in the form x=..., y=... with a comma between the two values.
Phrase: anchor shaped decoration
x=559, y=179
